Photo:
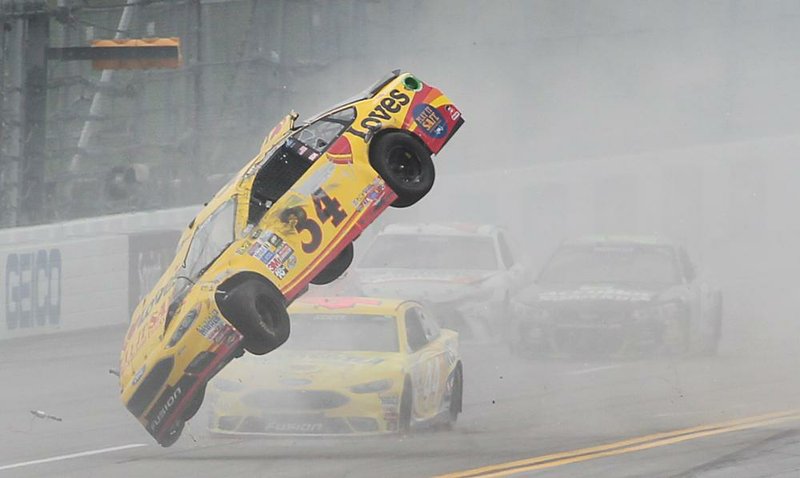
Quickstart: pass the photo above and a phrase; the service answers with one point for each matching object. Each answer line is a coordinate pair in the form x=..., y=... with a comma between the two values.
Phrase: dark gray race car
x=612, y=296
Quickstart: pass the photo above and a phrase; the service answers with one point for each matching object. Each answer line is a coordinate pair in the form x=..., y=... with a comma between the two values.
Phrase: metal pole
x=199, y=109
x=37, y=39
x=11, y=140
x=96, y=109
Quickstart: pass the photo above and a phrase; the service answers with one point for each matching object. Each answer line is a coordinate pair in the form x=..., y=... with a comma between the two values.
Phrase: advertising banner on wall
x=63, y=286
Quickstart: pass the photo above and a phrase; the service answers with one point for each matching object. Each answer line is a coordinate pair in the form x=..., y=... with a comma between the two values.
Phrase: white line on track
x=593, y=369
x=71, y=455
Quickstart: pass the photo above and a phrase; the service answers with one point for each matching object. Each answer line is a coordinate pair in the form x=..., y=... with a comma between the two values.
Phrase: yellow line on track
x=625, y=446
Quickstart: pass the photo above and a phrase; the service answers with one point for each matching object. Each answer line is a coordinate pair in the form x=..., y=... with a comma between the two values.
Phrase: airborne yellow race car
x=287, y=219
x=352, y=366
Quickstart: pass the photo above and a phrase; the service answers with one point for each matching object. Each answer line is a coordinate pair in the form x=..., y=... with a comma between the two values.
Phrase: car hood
x=313, y=369
x=430, y=286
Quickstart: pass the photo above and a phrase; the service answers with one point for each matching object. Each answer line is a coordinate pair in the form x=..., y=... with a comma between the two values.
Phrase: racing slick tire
x=173, y=435
x=404, y=417
x=456, y=397
x=256, y=308
x=336, y=267
x=405, y=163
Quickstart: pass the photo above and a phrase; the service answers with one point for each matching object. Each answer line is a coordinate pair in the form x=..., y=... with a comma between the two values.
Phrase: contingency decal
x=213, y=328
x=275, y=253
x=430, y=120
x=373, y=193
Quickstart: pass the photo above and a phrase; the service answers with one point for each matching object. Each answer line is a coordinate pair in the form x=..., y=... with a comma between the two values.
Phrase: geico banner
x=62, y=286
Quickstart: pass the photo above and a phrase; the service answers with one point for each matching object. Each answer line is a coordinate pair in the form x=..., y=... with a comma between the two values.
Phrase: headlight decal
x=185, y=324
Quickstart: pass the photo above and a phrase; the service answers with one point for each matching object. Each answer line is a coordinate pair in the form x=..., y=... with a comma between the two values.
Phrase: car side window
x=321, y=133
x=277, y=175
x=505, y=251
x=415, y=332
x=430, y=326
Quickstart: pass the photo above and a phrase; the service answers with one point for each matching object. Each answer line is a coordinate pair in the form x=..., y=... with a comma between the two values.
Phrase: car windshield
x=209, y=240
x=611, y=264
x=442, y=252
x=343, y=333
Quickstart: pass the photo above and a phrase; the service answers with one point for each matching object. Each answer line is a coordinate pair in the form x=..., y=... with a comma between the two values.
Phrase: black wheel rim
x=405, y=165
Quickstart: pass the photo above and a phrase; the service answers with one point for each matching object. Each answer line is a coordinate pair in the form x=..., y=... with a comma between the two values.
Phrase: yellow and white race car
x=287, y=219
x=352, y=366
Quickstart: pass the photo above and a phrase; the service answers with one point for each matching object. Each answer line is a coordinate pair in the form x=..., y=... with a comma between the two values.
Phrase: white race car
x=466, y=274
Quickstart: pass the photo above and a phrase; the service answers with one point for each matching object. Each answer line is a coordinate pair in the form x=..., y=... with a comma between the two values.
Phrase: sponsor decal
x=293, y=427
x=453, y=112
x=171, y=400
x=430, y=120
x=33, y=289
x=213, y=328
x=373, y=193
x=267, y=256
x=274, y=240
x=284, y=252
x=388, y=106
x=276, y=266
x=596, y=294
x=275, y=253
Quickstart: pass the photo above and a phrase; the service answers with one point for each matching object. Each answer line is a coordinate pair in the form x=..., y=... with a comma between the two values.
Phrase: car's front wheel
x=256, y=308
x=405, y=163
x=336, y=267
x=404, y=419
x=456, y=395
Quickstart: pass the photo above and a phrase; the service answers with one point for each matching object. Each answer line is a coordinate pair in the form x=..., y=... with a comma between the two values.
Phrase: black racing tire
x=456, y=396
x=405, y=163
x=173, y=435
x=336, y=267
x=257, y=309
x=404, y=416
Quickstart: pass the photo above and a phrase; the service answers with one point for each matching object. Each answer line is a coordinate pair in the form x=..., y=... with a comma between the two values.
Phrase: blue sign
x=33, y=289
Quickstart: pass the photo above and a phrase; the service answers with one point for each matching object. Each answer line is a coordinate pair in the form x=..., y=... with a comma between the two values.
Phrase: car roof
x=460, y=229
x=621, y=240
x=346, y=305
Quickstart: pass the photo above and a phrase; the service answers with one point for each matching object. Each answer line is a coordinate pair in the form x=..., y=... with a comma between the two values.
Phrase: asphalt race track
x=731, y=415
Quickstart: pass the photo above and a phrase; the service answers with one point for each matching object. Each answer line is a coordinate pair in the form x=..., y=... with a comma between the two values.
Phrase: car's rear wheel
x=405, y=163
x=336, y=267
x=256, y=308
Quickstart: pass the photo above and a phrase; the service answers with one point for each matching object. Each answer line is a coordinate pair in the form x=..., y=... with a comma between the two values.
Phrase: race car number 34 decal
x=325, y=207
